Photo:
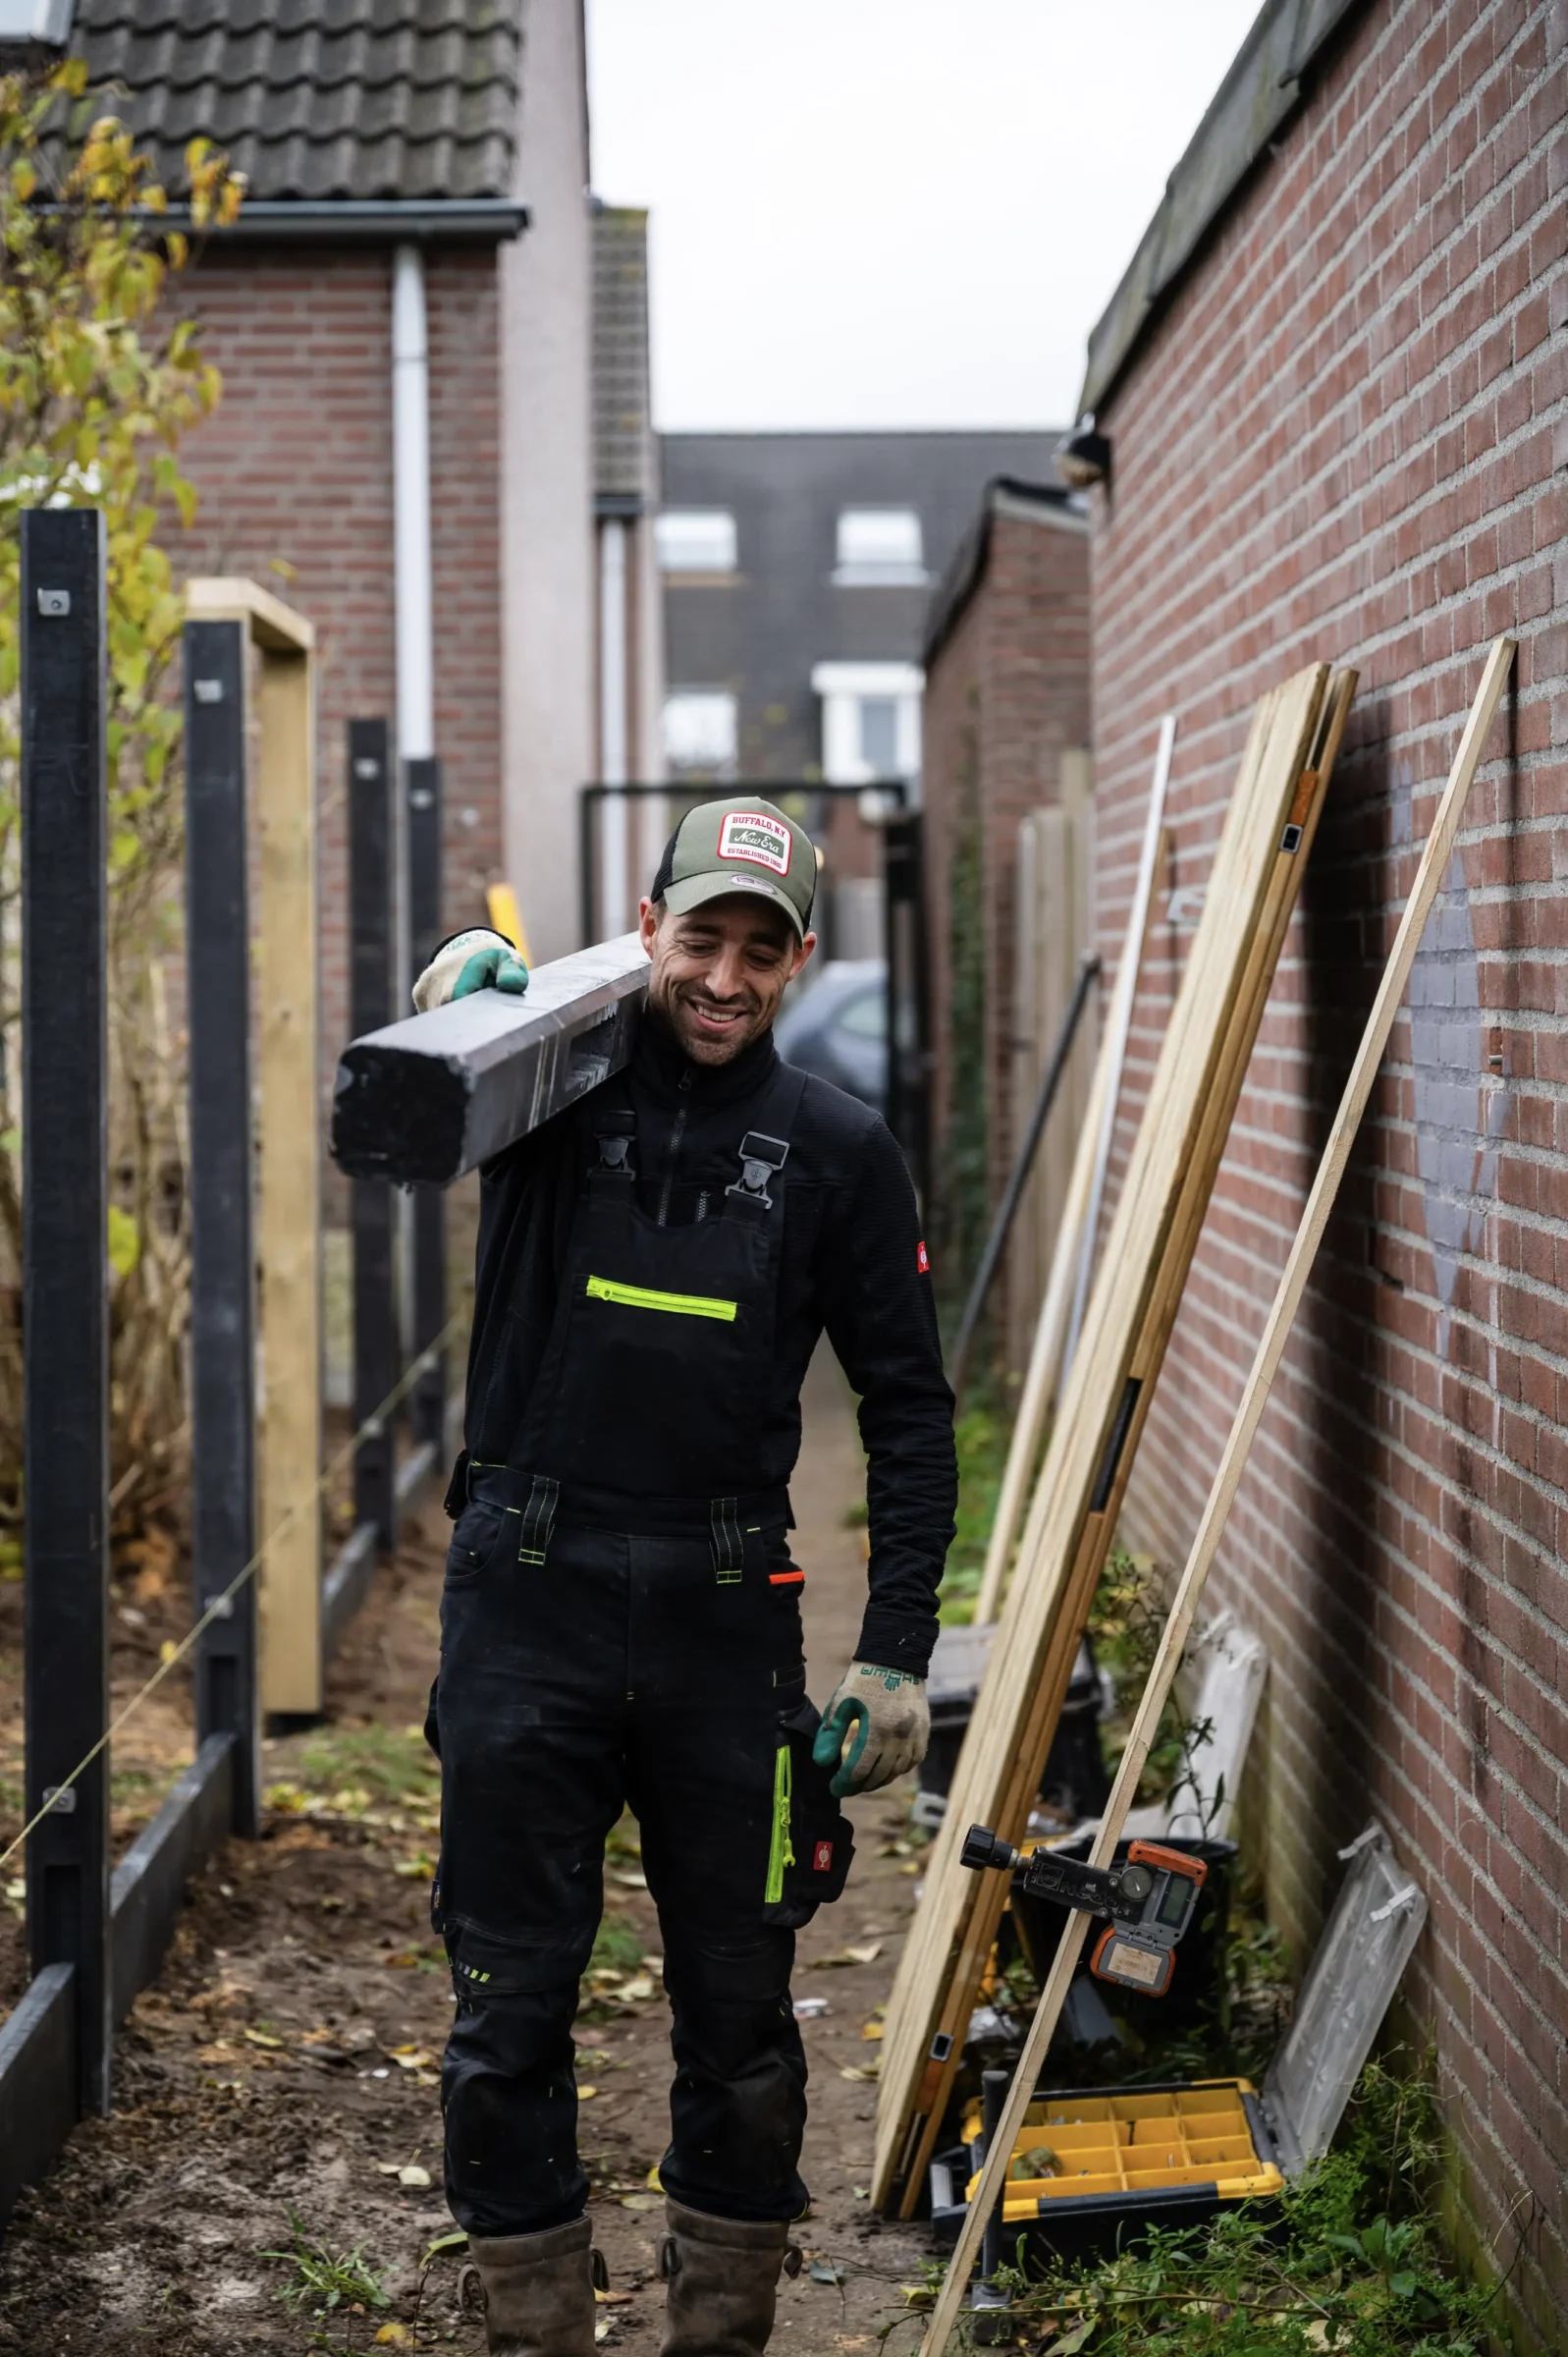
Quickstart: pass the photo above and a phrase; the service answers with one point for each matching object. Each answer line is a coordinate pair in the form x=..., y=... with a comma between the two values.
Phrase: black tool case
x=1175, y=2154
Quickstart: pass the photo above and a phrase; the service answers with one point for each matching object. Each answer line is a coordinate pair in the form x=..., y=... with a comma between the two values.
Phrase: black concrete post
x=370, y=936
x=223, y=1476
x=422, y=837
x=66, y=1213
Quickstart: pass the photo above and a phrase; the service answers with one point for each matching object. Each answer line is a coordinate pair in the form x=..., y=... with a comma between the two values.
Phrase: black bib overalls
x=584, y=1669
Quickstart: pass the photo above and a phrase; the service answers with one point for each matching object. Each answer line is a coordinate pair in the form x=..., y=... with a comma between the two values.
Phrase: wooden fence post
x=289, y=1221
x=223, y=1476
x=65, y=1211
x=375, y=1335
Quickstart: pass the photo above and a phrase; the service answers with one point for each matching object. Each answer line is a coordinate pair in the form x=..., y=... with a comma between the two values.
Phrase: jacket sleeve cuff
x=894, y=1643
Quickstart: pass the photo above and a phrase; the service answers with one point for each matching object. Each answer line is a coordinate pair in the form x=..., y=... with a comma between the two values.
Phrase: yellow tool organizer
x=1133, y=2142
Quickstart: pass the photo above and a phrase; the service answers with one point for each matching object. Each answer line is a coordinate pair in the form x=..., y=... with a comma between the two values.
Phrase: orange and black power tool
x=1151, y=1897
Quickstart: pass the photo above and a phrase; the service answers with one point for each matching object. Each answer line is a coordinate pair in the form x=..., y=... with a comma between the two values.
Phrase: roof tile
x=318, y=98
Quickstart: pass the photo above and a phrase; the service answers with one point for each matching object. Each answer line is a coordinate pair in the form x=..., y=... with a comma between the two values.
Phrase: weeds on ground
x=326, y=2283
x=389, y=1763
x=1348, y=2261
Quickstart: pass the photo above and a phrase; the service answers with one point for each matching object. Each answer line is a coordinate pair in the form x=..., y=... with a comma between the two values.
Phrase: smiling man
x=621, y=1623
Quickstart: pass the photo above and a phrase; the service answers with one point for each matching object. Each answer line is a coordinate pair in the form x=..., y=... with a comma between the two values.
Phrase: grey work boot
x=722, y=2274
x=538, y=2290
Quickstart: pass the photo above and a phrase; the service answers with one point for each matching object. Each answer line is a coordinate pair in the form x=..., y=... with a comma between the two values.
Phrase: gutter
x=336, y=219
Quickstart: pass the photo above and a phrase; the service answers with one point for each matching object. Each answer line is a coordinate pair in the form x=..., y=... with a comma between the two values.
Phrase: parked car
x=837, y=1028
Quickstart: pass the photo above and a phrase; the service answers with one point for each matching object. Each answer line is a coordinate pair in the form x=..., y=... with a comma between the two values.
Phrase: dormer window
x=880, y=547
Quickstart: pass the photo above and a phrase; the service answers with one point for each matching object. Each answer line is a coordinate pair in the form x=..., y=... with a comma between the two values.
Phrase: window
x=879, y=735
x=700, y=730
x=870, y=721
x=880, y=545
x=695, y=541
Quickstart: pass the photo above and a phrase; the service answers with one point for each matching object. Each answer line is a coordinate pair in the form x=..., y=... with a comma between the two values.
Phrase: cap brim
x=682, y=898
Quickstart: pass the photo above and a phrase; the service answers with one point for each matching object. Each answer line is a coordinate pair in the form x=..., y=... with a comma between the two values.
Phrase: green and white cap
x=725, y=848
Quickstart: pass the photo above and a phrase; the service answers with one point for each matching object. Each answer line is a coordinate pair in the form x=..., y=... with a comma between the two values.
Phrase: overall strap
x=763, y=1152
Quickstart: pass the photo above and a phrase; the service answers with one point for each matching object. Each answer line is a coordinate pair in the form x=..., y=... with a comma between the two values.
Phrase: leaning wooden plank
x=1120, y=1027
x=1103, y=1402
x=423, y=1101
x=1068, y=1586
x=949, y=1943
x=1246, y=1013
x=1074, y=1254
x=1221, y=1495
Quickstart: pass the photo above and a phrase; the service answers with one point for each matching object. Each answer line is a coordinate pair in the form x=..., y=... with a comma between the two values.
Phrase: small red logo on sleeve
x=822, y=1858
x=922, y=1260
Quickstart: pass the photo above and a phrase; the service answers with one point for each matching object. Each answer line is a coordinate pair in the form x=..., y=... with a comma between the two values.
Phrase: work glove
x=889, y=1718
x=478, y=960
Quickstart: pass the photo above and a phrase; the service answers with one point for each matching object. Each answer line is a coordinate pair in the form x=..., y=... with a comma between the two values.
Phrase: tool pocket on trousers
x=812, y=1843
x=478, y=1538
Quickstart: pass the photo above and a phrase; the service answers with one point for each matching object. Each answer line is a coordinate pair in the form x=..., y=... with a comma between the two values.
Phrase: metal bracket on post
x=427, y=1406
x=375, y=1332
x=223, y=1473
x=65, y=1314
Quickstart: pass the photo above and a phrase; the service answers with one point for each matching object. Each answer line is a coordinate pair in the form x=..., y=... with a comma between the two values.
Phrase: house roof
x=624, y=472
x=1263, y=89
x=319, y=102
x=1004, y=495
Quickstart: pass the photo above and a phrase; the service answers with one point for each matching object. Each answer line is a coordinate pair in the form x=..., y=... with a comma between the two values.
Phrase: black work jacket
x=850, y=1264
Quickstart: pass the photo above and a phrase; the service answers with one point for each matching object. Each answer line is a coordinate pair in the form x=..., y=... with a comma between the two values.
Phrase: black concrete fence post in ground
x=65, y=1262
x=427, y=1406
x=370, y=988
x=223, y=1470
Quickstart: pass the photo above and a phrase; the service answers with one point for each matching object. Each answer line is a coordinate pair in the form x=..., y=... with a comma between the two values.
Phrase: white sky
x=890, y=213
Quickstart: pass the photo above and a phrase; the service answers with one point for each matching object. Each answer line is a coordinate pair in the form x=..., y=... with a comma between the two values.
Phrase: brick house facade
x=441, y=144
x=1335, y=388
x=1006, y=657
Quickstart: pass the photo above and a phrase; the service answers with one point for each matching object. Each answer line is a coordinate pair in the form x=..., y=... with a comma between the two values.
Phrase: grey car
x=837, y=1028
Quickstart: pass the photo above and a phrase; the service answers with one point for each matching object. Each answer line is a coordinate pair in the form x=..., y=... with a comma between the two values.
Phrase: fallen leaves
x=866, y=1954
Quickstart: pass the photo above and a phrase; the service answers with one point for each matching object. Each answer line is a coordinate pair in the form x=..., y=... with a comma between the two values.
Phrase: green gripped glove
x=888, y=1715
x=478, y=960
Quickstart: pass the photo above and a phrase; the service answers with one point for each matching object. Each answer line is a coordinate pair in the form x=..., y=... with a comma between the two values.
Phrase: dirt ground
x=277, y=2091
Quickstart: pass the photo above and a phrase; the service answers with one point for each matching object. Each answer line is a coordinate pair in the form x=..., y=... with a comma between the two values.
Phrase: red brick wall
x=1345, y=439
x=1006, y=694
x=294, y=471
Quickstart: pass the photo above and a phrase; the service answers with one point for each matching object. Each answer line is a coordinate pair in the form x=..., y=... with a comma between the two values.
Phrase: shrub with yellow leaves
x=99, y=379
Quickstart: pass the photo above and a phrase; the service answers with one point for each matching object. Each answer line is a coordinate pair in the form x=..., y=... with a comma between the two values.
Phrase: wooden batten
x=1105, y=1397
x=288, y=1131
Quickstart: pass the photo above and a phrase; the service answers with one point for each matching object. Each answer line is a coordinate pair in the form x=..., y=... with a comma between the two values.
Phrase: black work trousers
x=620, y=1670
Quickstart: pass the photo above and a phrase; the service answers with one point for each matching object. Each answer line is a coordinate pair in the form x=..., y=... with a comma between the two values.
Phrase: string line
x=218, y=1606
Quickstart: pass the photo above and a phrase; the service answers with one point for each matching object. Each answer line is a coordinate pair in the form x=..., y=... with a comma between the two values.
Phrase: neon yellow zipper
x=780, y=1853
x=637, y=1296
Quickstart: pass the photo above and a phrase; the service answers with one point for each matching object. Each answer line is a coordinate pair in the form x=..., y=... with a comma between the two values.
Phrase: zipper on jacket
x=677, y=1127
x=780, y=1852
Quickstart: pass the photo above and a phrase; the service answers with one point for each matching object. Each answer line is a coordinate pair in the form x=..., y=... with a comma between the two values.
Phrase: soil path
x=280, y=2078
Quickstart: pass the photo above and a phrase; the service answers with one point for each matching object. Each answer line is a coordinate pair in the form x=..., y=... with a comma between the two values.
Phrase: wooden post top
x=231, y=597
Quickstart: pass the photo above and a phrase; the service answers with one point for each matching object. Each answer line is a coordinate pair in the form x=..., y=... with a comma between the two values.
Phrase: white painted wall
x=548, y=554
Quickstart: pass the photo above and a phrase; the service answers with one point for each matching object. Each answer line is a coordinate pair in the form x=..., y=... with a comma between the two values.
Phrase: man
x=621, y=1623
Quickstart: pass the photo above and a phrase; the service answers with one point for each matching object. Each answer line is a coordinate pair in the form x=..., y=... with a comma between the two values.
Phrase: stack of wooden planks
x=1273, y=813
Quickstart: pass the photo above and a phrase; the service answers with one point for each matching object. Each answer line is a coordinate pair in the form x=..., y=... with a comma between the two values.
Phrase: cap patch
x=753, y=835
x=922, y=1260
